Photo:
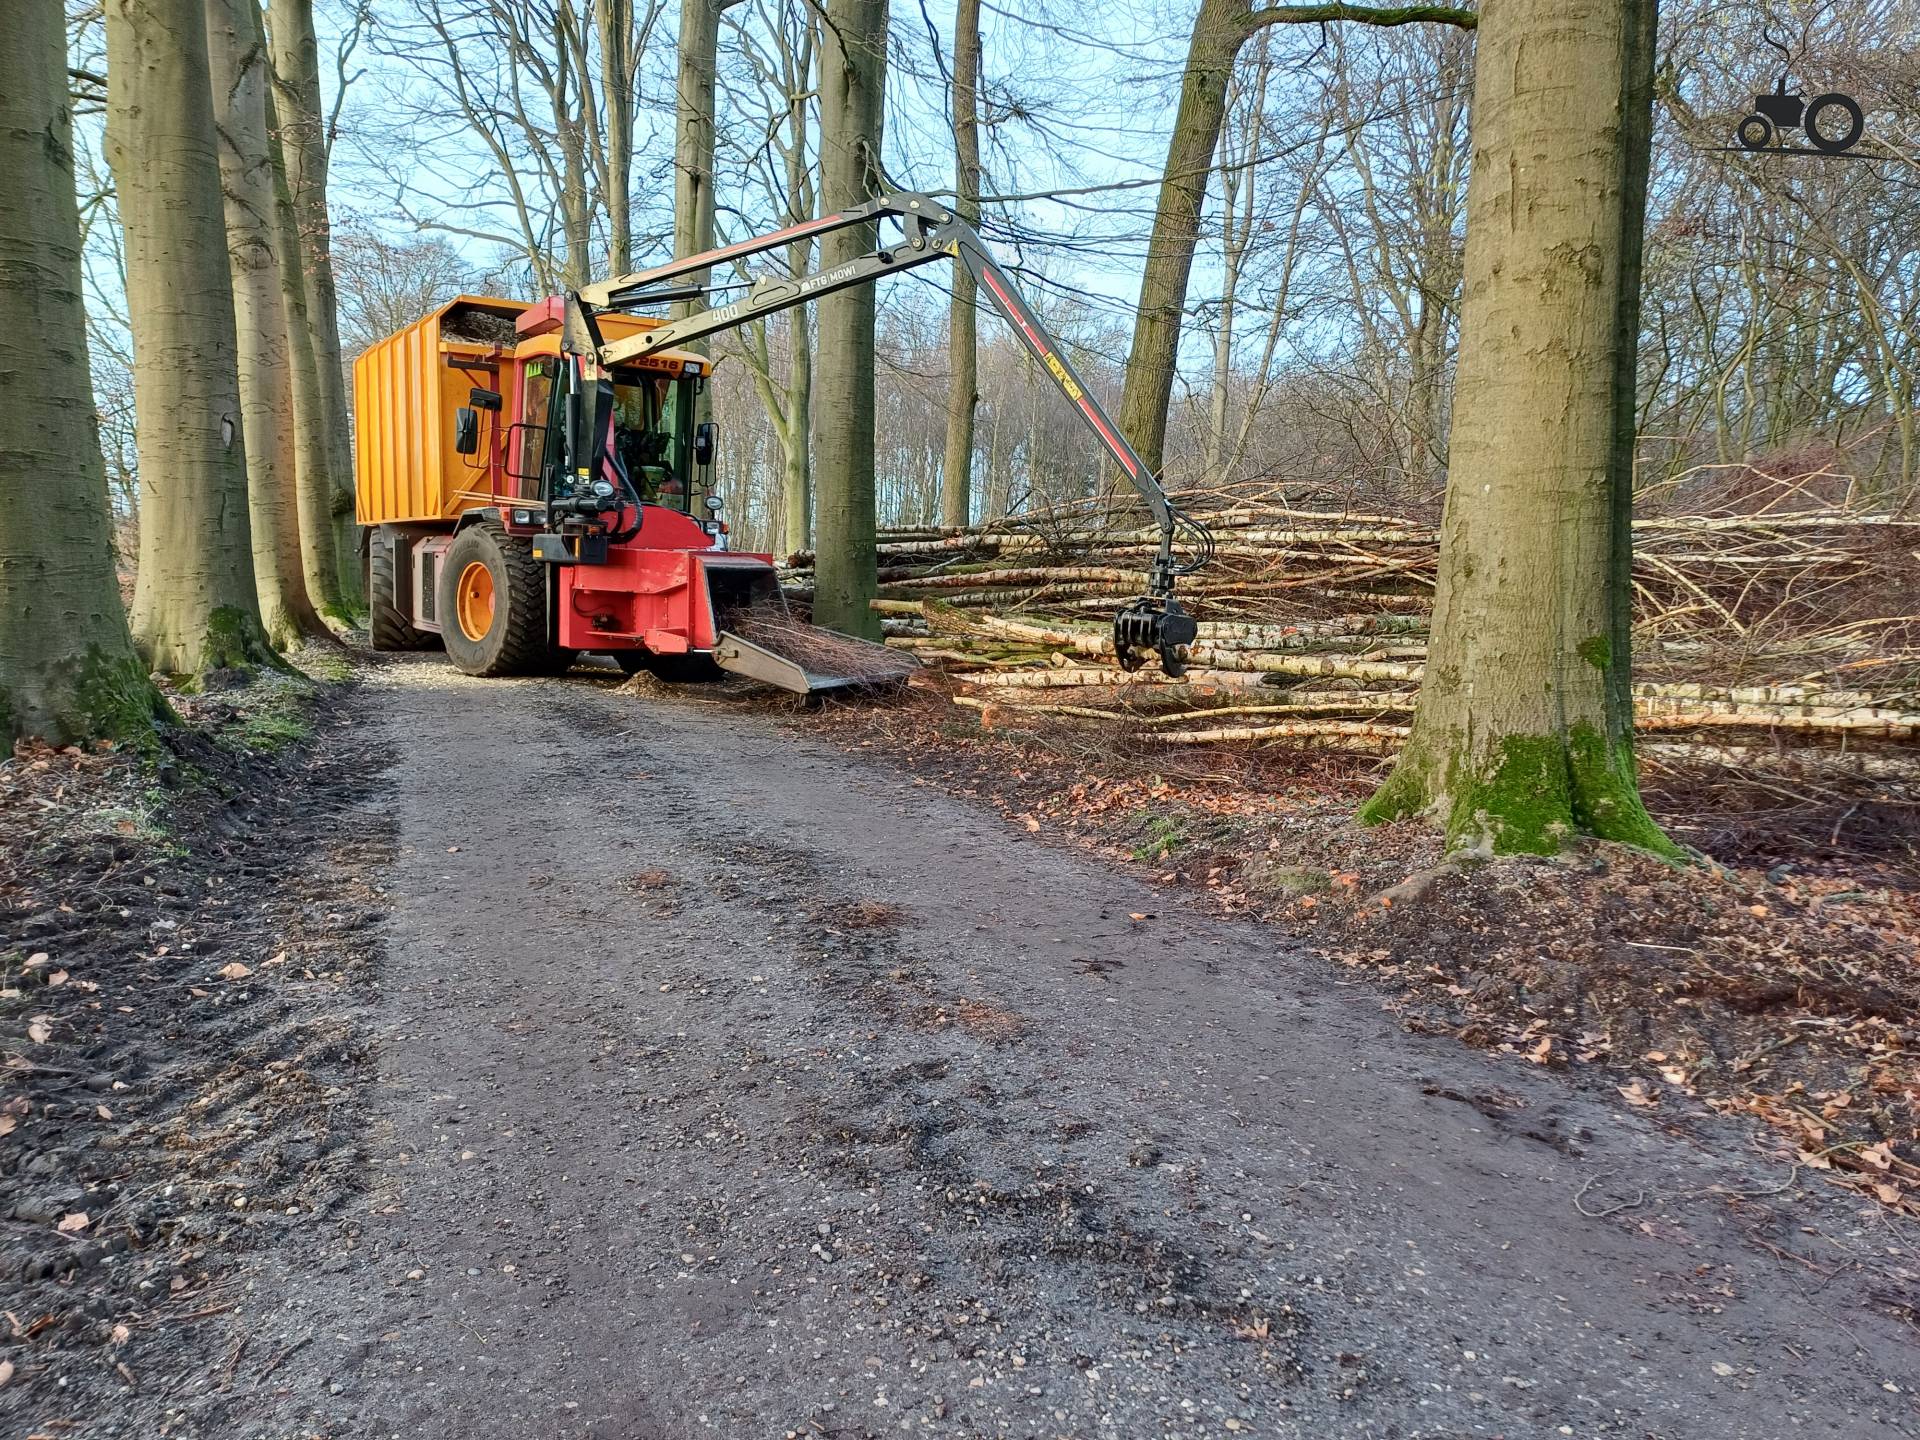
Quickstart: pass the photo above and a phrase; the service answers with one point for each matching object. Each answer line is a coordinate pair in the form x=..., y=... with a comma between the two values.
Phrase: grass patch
x=1161, y=835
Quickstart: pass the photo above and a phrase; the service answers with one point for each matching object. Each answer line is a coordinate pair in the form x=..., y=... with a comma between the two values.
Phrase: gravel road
x=732, y=1085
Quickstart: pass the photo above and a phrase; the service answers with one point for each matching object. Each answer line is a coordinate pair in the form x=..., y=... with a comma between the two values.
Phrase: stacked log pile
x=1755, y=634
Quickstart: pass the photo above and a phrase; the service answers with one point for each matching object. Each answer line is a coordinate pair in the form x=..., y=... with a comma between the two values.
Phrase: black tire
x=1856, y=123
x=388, y=624
x=513, y=637
x=1754, y=132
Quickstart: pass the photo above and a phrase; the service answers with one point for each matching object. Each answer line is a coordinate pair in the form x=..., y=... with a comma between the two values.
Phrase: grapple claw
x=1154, y=625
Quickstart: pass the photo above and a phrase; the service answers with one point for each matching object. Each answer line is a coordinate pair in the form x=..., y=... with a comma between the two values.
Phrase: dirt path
x=729, y=1085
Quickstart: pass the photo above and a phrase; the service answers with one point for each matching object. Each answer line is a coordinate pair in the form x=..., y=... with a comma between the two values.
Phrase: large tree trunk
x=693, y=139
x=1523, y=735
x=67, y=667
x=314, y=490
x=194, y=603
x=853, y=59
x=963, y=389
x=237, y=61
x=303, y=147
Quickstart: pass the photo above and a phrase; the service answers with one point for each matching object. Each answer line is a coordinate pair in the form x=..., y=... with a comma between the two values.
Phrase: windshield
x=649, y=436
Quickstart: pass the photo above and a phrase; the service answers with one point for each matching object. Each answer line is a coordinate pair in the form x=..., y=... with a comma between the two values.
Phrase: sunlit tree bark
x=194, y=604
x=295, y=54
x=67, y=667
x=238, y=64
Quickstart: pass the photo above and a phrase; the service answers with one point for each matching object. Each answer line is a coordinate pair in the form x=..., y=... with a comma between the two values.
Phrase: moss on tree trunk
x=195, y=606
x=1523, y=736
x=67, y=665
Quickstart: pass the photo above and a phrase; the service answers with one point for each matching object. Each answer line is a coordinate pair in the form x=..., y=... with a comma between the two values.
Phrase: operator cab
x=653, y=432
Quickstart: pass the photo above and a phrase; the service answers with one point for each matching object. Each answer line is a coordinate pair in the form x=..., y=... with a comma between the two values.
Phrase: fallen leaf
x=57, y=977
x=1541, y=1053
x=1030, y=822
x=1722, y=1368
x=121, y=1334
x=74, y=1222
x=233, y=970
x=7, y=1122
x=40, y=1029
x=103, y=1112
x=37, y=959
x=1638, y=1094
x=6, y=1371
x=1135, y=916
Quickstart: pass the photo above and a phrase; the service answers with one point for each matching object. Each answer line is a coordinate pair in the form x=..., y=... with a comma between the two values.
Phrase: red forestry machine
x=573, y=527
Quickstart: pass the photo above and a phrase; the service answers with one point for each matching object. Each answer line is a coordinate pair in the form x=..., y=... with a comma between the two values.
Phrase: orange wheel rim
x=473, y=600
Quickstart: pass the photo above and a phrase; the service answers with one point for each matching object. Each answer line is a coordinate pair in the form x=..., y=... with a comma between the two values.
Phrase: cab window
x=647, y=436
x=536, y=395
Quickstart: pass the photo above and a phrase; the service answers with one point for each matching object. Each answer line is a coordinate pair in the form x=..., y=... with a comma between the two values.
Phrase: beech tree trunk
x=295, y=53
x=236, y=52
x=693, y=138
x=194, y=603
x=314, y=491
x=67, y=667
x=963, y=388
x=853, y=59
x=1523, y=734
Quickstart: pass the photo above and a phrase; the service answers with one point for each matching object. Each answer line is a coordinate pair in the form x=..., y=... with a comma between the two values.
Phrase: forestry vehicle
x=535, y=485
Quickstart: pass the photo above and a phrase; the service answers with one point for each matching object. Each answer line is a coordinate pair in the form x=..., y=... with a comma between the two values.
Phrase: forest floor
x=423, y=1056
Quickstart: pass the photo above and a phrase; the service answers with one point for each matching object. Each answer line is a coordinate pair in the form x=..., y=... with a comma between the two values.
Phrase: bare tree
x=194, y=604
x=852, y=95
x=302, y=124
x=774, y=146
x=237, y=59
x=67, y=666
x=1219, y=31
x=956, y=470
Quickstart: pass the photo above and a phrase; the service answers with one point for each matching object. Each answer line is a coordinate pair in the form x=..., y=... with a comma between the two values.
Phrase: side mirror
x=466, y=430
x=703, y=434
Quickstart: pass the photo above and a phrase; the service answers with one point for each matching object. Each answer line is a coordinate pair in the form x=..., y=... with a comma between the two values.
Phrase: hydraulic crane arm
x=930, y=231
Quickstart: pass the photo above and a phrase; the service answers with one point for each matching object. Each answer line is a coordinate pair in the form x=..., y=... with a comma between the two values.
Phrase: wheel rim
x=473, y=600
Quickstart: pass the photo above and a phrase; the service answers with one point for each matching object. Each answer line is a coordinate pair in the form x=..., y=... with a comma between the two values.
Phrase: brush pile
x=825, y=653
x=1765, y=639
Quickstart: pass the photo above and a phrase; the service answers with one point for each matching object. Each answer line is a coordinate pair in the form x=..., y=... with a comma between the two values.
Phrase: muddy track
x=730, y=1085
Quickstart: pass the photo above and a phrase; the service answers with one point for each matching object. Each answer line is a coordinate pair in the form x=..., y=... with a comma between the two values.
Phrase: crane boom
x=930, y=231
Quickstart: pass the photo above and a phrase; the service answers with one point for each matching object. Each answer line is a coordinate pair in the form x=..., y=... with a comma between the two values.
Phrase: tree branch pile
x=1790, y=638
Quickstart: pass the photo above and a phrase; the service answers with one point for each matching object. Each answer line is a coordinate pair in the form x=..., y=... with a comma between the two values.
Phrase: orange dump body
x=408, y=391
